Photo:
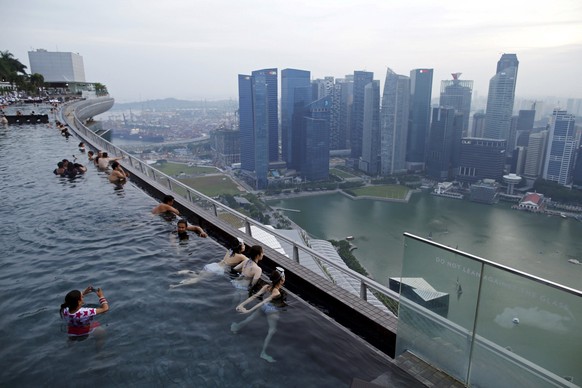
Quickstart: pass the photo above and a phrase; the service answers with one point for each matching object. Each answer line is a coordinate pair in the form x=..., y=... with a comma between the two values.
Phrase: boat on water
x=574, y=261
x=563, y=215
x=349, y=238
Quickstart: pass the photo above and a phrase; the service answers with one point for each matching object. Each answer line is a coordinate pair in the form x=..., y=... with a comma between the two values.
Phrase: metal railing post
x=248, y=227
x=215, y=210
x=296, y=253
x=363, y=291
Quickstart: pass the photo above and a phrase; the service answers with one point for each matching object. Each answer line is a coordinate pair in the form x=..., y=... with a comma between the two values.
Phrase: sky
x=194, y=50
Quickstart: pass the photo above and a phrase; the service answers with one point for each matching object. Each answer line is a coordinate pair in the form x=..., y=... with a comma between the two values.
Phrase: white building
x=57, y=66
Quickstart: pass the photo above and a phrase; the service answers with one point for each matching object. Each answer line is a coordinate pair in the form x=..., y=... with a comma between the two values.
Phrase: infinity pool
x=58, y=234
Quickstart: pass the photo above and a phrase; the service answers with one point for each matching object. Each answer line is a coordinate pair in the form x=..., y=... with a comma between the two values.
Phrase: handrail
x=194, y=196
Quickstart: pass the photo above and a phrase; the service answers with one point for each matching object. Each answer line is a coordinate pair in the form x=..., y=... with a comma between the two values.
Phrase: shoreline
x=340, y=191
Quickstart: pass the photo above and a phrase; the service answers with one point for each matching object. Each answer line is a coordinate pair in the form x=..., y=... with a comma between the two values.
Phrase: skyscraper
x=394, y=123
x=561, y=148
x=501, y=97
x=419, y=125
x=361, y=79
x=534, y=159
x=481, y=159
x=370, y=160
x=445, y=132
x=314, y=154
x=457, y=94
x=295, y=94
x=259, y=123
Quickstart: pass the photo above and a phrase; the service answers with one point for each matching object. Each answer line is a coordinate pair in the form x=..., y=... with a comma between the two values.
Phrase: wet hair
x=167, y=199
x=255, y=252
x=182, y=221
x=71, y=301
x=237, y=246
x=81, y=144
x=114, y=165
x=60, y=164
x=275, y=277
x=90, y=153
x=105, y=155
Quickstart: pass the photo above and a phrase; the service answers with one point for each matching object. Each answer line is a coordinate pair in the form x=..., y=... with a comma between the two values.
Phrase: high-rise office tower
x=500, y=98
x=259, y=123
x=361, y=79
x=322, y=87
x=478, y=128
x=314, y=154
x=295, y=94
x=445, y=131
x=346, y=98
x=457, y=94
x=481, y=159
x=57, y=66
x=419, y=124
x=394, y=123
x=534, y=159
x=370, y=160
x=561, y=148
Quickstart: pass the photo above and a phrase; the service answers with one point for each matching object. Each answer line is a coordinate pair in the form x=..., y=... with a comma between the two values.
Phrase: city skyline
x=195, y=50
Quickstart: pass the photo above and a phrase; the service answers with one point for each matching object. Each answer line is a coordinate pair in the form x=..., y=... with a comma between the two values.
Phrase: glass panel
x=528, y=332
x=438, y=301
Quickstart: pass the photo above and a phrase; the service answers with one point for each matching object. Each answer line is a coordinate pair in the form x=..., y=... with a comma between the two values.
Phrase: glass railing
x=222, y=212
x=486, y=324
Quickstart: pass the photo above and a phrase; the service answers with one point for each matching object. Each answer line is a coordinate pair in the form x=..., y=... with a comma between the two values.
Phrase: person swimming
x=79, y=319
x=270, y=306
x=249, y=269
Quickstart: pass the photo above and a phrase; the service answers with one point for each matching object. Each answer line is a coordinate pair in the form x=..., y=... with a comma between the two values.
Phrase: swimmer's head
x=256, y=252
x=277, y=277
x=167, y=199
x=182, y=225
x=114, y=165
x=72, y=300
x=238, y=246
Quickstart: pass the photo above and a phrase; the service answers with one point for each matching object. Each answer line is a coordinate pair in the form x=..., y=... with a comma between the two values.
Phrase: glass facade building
x=315, y=140
x=361, y=79
x=444, y=142
x=457, y=94
x=480, y=159
x=394, y=123
x=259, y=123
x=295, y=94
x=501, y=98
x=561, y=148
x=370, y=159
x=420, y=96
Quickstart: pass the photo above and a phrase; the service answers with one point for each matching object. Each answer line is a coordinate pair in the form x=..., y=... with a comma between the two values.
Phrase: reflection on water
x=532, y=243
x=57, y=235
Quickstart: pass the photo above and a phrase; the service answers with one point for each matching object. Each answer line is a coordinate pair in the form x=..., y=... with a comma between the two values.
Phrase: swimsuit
x=80, y=322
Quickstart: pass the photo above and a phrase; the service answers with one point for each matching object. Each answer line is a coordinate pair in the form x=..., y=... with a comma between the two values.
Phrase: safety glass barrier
x=528, y=332
x=469, y=317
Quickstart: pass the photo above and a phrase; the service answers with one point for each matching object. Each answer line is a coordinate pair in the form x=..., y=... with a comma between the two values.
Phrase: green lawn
x=173, y=169
x=382, y=191
x=212, y=186
x=340, y=173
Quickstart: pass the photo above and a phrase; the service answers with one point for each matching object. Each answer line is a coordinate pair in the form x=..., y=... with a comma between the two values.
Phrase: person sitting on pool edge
x=166, y=206
x=79, y=319
x=271, y=307
x=183, y=228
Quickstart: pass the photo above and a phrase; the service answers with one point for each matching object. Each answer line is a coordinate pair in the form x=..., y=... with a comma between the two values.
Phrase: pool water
x=58, y=234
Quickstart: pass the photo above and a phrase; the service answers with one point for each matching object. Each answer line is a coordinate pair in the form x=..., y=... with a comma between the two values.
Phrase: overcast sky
x=192, y=49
